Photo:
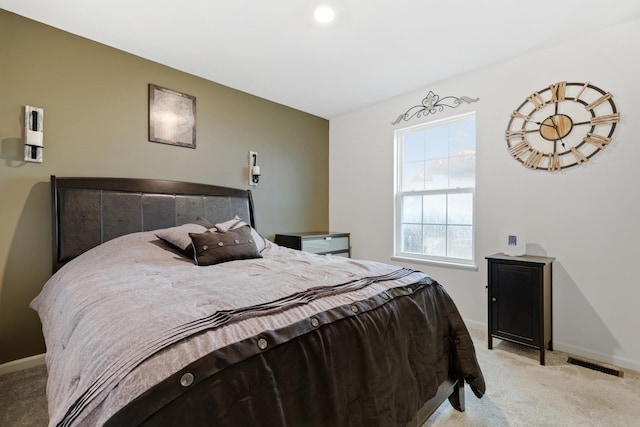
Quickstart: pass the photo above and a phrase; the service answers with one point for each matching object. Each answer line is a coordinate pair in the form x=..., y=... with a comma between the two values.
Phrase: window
x=435, y=187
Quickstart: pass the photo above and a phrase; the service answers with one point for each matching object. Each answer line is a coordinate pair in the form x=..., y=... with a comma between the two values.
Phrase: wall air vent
x=596, y=367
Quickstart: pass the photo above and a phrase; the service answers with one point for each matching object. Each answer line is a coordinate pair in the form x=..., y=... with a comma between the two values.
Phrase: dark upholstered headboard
x=89, y=211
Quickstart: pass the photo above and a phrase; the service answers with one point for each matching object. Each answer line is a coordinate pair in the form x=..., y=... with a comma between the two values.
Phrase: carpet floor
x=520, y=392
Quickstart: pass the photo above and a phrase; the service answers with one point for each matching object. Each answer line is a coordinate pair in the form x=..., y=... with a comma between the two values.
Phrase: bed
x=167, y=307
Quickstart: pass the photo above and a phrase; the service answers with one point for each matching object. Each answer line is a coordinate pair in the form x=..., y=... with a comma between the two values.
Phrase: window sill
x=443, y=264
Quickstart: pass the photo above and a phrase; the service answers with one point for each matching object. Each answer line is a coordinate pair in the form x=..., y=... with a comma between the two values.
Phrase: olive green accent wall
x=95, y=101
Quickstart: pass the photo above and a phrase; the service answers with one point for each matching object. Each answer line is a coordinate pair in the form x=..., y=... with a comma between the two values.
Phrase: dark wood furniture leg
x=457, y=397
x=450, y=389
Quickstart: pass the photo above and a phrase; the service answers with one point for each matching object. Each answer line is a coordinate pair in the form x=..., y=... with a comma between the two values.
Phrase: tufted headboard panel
x=89, y=211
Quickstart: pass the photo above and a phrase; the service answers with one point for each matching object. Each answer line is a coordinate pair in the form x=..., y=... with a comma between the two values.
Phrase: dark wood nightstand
x=318, y=242
x=519, y=298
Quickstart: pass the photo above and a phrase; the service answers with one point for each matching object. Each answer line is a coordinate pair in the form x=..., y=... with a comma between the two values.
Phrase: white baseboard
x=20, y=364
x=620, y=362
x=472, y=324
x=573, y=350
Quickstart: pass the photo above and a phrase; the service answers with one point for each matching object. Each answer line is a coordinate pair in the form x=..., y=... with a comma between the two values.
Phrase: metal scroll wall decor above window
x=432, y=104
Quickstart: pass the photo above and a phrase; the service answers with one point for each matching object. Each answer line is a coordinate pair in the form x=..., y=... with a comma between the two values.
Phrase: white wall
x=587, y=217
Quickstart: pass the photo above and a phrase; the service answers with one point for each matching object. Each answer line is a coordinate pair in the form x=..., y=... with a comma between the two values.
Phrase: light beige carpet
x=520, y=392
x=23, y=400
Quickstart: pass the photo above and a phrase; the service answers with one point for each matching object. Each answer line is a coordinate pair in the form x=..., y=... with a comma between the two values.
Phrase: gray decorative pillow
x=217, y=247
x=203, y=222
x=179, y=238
x=237, y=222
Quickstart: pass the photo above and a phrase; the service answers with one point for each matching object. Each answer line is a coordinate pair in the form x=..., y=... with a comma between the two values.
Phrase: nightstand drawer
x=323, y=243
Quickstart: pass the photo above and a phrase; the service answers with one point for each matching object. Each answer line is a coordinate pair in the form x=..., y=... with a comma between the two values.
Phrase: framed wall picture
x=172, y=117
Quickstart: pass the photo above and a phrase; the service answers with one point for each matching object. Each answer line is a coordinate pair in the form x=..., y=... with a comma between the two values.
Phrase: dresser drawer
x=323, y=243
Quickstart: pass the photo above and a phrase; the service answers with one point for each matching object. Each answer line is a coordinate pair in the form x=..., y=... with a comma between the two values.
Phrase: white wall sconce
x=33, y=133
x=254, y=169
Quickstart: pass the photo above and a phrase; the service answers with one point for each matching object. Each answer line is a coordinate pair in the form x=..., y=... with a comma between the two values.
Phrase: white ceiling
x=374, y=50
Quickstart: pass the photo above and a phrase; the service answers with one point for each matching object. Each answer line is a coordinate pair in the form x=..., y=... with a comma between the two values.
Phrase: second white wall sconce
x=254, y=169
x=33, y=133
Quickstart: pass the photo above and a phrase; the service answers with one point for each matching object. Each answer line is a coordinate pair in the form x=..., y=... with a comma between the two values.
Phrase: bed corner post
x=456, y=398
x=252, y=220
x=54, y=225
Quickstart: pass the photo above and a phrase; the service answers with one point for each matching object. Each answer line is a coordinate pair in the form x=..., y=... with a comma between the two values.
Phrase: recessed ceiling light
x=324, y=14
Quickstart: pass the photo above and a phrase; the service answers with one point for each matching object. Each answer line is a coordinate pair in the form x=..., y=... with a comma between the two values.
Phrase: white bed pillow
x=179, y=238
x=237, y=222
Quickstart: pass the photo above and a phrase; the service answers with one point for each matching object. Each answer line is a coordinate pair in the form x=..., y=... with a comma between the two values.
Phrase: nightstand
x=519, y=300
x=319, y=242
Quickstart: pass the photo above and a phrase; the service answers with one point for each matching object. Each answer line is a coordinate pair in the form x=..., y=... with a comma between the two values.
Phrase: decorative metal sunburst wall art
x=431, y=104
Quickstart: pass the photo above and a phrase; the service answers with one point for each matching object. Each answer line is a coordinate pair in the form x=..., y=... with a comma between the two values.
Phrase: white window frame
x=398, y=254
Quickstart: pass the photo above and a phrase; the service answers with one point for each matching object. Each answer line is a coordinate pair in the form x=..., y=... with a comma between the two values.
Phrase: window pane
x=434, y=209
x=462, y=171
x=413, y=147
x=462, y=152
x=460, y=209
x=462, y=137
x=413, y=176
x=412, y=238
x=436, y=174
x=459, y=242
x=435, y=240
x=412, y=209
x=437, y=146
